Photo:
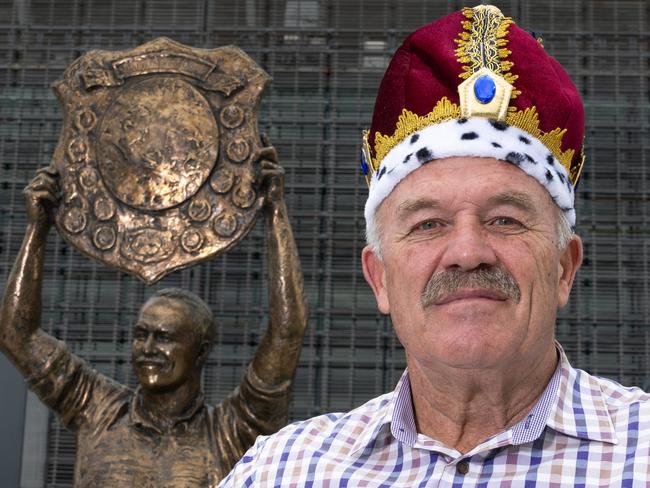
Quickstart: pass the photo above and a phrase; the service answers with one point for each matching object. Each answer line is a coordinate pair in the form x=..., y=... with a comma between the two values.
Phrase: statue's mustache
x=151, y=359
x=493, y=278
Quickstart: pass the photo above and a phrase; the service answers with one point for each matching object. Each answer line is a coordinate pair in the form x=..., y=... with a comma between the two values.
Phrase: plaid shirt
x=584, y=431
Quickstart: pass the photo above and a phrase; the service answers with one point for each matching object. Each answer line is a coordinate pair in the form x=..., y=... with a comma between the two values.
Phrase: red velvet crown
x=420, y=86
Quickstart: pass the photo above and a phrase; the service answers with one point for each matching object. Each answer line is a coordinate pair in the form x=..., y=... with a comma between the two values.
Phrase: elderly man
x=472, y=158
x=162, y=434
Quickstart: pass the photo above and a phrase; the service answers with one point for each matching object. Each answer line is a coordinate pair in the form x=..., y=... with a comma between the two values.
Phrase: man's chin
x=467, y=319
x=471, y=344
x=153, y=382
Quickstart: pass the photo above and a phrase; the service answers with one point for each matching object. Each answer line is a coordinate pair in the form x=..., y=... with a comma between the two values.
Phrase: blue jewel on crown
x=484, y=89
x=364, y=163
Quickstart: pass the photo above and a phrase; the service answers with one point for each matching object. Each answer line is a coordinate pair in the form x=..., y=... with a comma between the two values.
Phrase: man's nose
x=149, y=344
x=468, y=247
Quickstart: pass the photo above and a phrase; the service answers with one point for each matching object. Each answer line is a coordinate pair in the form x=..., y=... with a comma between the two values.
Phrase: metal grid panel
x=326, y=58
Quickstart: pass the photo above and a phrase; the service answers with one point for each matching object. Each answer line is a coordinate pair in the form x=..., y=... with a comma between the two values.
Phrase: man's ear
x=570, y=261
x=375, y=274
x=204, y=352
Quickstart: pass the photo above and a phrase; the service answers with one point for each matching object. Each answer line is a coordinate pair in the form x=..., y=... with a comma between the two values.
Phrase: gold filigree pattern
x=527, y=120
x=408, y=123
x=577, y=166
x=482, y=43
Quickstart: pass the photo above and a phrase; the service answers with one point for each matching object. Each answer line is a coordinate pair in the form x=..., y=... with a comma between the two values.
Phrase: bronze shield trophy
x=157, y=154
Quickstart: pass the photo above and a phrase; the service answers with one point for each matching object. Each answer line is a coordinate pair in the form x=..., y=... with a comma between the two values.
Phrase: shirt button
x=462, y=467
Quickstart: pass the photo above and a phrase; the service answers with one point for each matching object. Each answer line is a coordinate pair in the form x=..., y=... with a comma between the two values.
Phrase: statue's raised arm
x=277, y=355
x=260, y=405
x=21, y=338
x=80, y=396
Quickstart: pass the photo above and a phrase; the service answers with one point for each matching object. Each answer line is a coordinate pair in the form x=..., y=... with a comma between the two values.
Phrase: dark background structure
x=326, y=58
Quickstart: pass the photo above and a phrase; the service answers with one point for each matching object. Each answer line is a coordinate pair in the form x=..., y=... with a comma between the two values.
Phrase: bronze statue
x=162, y=434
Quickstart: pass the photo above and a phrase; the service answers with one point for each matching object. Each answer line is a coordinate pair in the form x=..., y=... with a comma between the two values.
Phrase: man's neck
x=164, y=408
x=462, y=408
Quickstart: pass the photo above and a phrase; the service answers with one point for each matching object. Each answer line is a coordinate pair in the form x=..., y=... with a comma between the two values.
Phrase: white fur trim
x=472, y=137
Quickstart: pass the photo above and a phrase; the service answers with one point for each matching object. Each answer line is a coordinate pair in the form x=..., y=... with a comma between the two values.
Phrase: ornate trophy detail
x=157, y=154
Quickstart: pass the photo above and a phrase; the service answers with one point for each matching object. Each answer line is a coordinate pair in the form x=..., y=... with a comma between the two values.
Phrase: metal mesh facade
x=326, y=58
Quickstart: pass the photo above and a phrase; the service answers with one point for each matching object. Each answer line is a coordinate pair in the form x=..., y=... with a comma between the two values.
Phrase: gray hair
x=373, y=234
x=563, y=230
x=202, y=317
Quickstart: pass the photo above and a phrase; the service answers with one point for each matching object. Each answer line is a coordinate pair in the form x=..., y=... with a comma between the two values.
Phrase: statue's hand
x=42, y=196
x=272, y=174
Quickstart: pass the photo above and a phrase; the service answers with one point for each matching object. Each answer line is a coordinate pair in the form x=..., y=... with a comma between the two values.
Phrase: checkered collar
x=581, y=407
x=572, y=403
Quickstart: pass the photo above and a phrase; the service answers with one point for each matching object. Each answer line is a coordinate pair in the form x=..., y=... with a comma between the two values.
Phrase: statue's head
x=172, y=338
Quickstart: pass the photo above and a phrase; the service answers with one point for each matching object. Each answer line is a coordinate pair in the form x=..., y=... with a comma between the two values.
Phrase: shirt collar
x=403, y=420
x=139, y=416
x=572, y=403
x=384, y=413
x=531, y=426
x=527, y=430
x=580, y=407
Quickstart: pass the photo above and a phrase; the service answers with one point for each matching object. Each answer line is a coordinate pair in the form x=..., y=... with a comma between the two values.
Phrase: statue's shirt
x=119, y=445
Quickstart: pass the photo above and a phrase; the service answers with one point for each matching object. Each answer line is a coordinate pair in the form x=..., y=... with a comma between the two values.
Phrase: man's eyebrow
x=145, y=322
x=517, y=199
x=156, y=330
x=408, y=207
x=140, y=327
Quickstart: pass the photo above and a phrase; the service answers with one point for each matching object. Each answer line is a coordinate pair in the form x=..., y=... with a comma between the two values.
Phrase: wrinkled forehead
x=159, y=311
x=478, y=181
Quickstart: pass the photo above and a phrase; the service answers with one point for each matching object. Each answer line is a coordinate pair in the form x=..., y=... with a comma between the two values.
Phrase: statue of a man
x=162, y=434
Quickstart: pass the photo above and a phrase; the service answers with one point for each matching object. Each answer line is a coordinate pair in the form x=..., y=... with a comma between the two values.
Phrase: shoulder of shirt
x=628, y=407
x=617, y=396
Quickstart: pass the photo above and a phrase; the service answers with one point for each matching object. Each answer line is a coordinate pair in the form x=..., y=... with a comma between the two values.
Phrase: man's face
x=484, y=233
x=165, y=347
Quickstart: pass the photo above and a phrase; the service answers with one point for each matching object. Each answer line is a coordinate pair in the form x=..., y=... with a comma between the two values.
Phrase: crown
x=488, y=90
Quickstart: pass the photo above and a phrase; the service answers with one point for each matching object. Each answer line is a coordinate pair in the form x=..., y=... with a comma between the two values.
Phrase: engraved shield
x=157, y=154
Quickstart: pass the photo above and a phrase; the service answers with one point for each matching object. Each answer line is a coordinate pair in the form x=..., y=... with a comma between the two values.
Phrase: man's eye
x=427, y=225
x=506, y=221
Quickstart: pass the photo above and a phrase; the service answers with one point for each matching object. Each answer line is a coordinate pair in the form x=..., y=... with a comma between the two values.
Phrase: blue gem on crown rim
x=364, y=163
x=484, y=89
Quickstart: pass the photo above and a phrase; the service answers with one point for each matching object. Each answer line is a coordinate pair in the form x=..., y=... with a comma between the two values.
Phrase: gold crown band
x=528, y=120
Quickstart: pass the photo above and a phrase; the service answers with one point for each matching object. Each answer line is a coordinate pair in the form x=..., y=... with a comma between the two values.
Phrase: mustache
x=157, y=360
x=493, y=278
